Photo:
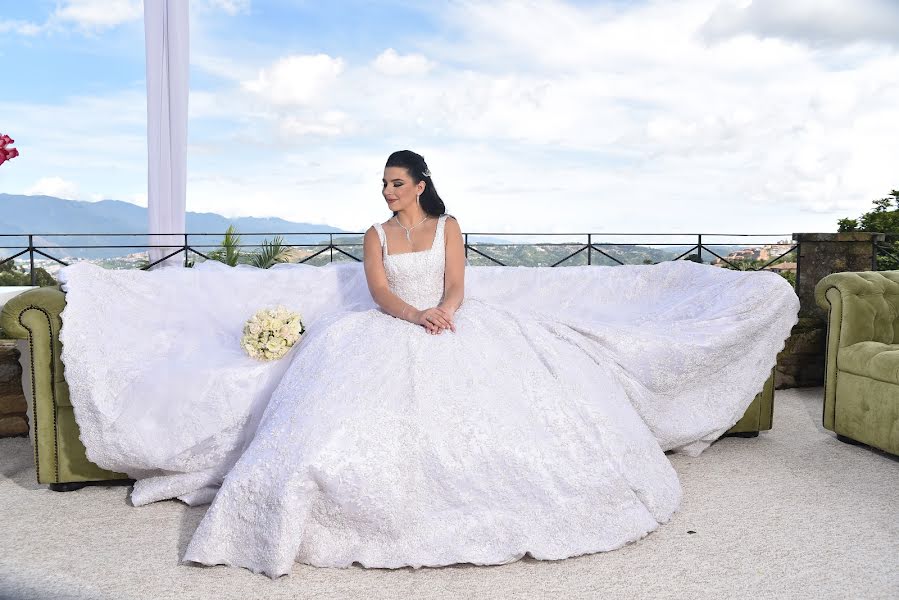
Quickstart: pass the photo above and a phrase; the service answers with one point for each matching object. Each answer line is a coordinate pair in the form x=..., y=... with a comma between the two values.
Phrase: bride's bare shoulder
x=452, y=223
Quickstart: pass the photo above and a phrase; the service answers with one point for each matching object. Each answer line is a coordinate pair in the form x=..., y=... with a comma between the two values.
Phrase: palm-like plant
x=229, y=251
x=273, y=252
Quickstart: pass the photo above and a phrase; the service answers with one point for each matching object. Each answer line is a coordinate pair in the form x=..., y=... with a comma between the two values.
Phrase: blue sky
x=538, y=115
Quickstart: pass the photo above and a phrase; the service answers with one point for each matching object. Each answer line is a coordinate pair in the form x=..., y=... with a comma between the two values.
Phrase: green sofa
x=861, y=387
x=59, y=454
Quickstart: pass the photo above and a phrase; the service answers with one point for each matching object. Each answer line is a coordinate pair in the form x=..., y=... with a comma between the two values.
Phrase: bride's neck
x=407, y=218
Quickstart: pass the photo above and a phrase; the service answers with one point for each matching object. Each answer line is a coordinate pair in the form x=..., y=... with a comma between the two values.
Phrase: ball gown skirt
x=387, y=446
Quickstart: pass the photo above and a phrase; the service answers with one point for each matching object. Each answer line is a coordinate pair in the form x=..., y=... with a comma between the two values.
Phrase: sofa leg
x=849, y=440
x=66, y=487
x=746, y=434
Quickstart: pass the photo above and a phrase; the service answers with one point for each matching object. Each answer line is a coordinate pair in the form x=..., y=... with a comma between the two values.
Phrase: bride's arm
x=454, y=278
x=389, y=302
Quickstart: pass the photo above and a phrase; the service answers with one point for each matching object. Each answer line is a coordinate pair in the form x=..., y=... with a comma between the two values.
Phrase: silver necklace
x=409, y=230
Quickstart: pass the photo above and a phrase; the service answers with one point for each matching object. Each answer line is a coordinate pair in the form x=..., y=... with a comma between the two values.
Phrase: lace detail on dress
x=417, y=277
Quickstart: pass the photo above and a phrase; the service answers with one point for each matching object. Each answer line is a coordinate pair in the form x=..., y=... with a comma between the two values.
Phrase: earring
x=418, y=198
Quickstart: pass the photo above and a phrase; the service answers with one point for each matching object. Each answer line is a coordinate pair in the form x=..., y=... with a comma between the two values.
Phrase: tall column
x=801, y=363
x=168, y=57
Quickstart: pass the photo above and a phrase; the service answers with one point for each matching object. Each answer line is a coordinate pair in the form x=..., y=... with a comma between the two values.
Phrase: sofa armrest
x=48, y=300
x=868, y=302
x=34, y=316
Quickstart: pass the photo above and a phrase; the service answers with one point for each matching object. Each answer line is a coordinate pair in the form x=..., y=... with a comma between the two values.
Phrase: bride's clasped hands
x=436, y=320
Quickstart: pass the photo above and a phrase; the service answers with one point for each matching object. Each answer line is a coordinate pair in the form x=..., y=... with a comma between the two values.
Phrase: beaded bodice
x=416, y=277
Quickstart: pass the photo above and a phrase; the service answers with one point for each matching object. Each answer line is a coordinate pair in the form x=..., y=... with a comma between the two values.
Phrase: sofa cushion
x=871, y=359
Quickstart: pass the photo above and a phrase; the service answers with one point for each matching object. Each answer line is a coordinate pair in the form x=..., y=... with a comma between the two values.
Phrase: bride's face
x=399, y=190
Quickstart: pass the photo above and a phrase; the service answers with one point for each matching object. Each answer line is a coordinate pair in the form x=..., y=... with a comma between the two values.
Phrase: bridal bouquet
x=271, y=332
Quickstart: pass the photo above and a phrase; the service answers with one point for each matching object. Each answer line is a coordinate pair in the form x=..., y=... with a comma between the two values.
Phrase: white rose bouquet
x=271, y=332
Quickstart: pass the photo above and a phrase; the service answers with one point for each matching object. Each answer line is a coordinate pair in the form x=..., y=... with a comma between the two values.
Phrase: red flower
x=7, y=153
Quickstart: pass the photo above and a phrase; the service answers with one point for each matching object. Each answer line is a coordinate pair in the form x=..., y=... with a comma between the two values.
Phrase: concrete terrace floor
x=792, y=514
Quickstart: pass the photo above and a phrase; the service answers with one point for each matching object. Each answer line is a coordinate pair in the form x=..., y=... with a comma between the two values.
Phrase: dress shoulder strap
x=381, y=234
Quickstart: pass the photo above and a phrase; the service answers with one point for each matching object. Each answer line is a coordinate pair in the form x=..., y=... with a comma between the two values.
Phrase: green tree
x=743, y=264
x=11, y=275
x=884, y=218
x=789, y=276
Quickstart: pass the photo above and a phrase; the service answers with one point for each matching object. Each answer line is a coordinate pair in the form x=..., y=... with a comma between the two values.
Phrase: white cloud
x=634, y=110
x=391, y=63
x=139, y=198
x=25, y=28
x=331, y=123
x=635, y=122
x=54, y=186
x=297, y=80
x=809, y=21
x=98, y=14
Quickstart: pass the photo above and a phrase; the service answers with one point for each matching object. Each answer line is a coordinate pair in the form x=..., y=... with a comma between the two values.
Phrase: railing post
x=699, y=248
x=466, y=246
x=589, y=248
x=185, y=251
x=331, y=245
x=31, y=258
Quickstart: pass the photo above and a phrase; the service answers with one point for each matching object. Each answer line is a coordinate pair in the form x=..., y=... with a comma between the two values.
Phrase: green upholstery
x=861, y=387
x=59, y=453
x=871, y=359
x=759, y=415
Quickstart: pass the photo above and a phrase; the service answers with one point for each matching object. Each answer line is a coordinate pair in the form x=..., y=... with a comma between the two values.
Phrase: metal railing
x=325, y=247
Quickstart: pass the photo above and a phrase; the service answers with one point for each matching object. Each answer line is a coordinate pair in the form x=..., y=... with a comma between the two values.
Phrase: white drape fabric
x=167, y=37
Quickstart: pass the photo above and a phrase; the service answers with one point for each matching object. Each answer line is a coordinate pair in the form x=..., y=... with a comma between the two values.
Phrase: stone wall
x=801, y=363
x=13, y=419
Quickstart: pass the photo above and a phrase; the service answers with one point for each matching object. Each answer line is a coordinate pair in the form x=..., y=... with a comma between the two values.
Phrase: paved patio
x=792, y=514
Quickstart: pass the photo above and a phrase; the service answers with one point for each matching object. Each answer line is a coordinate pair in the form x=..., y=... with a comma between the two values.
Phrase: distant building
x=789, y=267
x=764, y=253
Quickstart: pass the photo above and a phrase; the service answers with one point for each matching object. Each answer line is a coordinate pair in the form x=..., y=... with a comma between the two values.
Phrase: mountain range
x=43, y=216
x=46, y=215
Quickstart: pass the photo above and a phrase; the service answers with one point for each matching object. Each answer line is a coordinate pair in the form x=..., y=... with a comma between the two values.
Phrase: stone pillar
x=801, y=363
x=13, y=419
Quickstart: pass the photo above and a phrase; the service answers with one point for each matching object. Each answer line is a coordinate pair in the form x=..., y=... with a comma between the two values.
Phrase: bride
x=433, y=414
x=442, y=428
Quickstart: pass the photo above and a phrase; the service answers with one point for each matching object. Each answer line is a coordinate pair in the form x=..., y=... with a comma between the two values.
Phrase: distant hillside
x=48, y=215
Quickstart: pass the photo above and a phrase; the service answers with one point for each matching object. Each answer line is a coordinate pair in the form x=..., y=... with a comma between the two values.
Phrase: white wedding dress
x=539, y=427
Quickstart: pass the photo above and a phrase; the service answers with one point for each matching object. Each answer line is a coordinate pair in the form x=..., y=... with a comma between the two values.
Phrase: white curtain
x=167, y=47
